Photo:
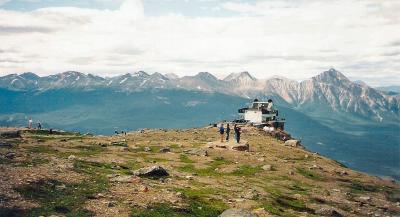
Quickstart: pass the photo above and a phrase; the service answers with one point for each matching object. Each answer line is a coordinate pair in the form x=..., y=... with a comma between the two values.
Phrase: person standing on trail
x=222, y=132
x=30, y=123
x=234, y=130
x=270, y=106
x=238, y=131
x=39, y=126
x=228, y=131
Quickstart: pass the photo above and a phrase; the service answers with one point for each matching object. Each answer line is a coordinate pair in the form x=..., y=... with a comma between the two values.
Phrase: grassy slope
x=41, y=180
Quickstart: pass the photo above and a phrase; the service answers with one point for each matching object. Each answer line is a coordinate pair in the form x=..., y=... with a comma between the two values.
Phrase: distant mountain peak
x=29, y=76
x=159, y=75
x=141, y=74
x=206, y=75
x=332, y=75
x=240, y=76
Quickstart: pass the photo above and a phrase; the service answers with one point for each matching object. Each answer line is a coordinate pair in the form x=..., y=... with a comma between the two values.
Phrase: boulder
x=71, y=157
x=237, y=213
x=196, y=151
x=165, y=150
x=267, y=167
x=292, y=143
x=241, y=147
x=147, y=149
x=154, y=172
x=328, y=212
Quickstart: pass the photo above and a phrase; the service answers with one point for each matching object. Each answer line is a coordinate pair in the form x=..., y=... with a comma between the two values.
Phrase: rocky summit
x=55, y=173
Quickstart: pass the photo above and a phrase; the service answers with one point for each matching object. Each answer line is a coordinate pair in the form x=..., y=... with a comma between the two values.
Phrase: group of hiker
x=30, y=124
x=227, y=131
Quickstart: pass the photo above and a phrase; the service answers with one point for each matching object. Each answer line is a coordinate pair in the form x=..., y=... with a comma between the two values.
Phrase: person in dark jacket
x=238, y=131
x=222, y=132
x=228, y=131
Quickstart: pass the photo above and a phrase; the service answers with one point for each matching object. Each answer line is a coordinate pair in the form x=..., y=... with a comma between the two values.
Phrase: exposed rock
x=365, y=198
x=165, y=150
x=147, y=149
x=5, y=145
x=196, y=151
x=221, y=146
x=10, y=155
x=154, y=171
x=237, y=213
x=292, y=143
x=291, y=172
x=241, y=147
x=328, y=212
x=267, y=167
x=189, y=177
x=71, y=157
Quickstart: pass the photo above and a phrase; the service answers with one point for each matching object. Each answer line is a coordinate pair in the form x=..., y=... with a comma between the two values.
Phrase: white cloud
x=294, y=39
x=2, y=2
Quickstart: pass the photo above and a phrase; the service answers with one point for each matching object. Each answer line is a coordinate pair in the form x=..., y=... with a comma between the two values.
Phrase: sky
x=292, y=38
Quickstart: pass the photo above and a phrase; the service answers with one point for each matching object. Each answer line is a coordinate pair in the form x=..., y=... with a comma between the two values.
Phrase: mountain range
x=344, y=120
x=329, y=92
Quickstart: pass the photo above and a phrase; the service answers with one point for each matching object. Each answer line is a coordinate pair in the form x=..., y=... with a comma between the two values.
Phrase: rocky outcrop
x=293, y=143
x=241, y=147
x=152, y=172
